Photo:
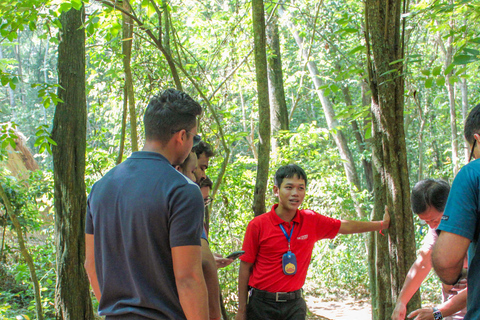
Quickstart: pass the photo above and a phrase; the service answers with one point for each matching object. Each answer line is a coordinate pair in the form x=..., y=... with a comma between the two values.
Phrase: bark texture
x=127, y=28
x=258, y=15
x=278, y=105
x=390, y=256
x=72, y=294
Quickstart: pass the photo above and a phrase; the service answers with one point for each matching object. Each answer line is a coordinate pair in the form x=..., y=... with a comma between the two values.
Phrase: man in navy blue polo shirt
x=144, y=221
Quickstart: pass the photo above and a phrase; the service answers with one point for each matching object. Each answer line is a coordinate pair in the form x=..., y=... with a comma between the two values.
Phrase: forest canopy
x=319, y=75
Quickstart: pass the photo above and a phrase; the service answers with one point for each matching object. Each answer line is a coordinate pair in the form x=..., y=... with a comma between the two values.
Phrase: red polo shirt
x=265, y=244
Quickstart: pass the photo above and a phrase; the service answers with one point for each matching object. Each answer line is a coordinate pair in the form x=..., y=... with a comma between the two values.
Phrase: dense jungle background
x=319, y=82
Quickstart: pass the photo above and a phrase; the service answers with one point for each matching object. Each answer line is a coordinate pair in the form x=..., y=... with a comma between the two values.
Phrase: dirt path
x=344, y=309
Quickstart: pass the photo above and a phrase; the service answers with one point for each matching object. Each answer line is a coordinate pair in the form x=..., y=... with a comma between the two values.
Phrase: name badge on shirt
x=289, y=263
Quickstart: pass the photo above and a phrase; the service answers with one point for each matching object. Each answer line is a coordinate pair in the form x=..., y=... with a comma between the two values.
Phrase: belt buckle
x=276, y=297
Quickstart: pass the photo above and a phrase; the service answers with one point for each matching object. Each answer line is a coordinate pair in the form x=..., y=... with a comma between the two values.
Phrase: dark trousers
x=266, y=309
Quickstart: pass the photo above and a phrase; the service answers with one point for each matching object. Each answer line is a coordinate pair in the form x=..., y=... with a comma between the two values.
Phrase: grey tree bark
x=258, y=16
x=278, y=105
x=72, y=292
x=390, y=256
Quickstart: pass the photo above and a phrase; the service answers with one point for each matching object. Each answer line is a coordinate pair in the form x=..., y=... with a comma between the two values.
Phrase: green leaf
x=334, y=87
x=436, y=71
x=464, y=59
x=429, y=83
x=77, y=4
x=425, y=72
x=396, y=61
x=388, y=72
x=449, y=69
x=356, y=49
x=440, y=80
x=452, y=80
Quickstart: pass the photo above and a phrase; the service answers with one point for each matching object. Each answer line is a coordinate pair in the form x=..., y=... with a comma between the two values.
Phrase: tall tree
x=278, y=105
x=332, y=123
x=258, y=16
x=72, y=294
x=127, y=28
x=389, y=257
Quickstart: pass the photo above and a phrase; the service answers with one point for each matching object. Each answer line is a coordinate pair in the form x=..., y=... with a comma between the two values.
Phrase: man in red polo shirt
x=278, y=247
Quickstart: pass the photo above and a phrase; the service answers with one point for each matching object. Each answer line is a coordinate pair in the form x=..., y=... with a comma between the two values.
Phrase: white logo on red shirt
x=304, y=237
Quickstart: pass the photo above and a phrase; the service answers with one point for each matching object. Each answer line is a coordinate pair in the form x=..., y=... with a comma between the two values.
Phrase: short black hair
x=203, y=147
x=168, y=113
x=289, y=171
x=429, y=192
x=472, y=124
x=206, y=183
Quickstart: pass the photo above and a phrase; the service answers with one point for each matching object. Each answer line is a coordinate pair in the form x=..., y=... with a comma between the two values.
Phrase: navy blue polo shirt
x=137, y=212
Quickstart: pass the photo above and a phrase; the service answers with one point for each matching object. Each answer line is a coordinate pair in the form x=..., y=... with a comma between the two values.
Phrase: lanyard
x=286, y=235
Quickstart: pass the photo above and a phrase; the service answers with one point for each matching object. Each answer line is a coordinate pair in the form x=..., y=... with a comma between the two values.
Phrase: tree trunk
x=392, y=255
x=464, y=89
x=258, y=17
x=338, y=137
x=367, y=165
x=26, y=255
x=124, y=127
x=72, y=294
x=127, y=28
x=278, y=105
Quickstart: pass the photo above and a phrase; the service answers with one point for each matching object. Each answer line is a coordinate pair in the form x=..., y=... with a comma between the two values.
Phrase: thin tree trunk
x=278, y=105
x=124, y=125
x=26, y=255
x=258, y=17
x=392, y=255
x=367, y=165
x=249, y=137
x=464, y=88
x=127, y=28
x=72, y=294
x=339, y=138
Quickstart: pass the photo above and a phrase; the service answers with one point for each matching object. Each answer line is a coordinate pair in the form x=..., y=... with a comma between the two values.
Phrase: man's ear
x=180, y=136
x=476, y=136
x=275, y=190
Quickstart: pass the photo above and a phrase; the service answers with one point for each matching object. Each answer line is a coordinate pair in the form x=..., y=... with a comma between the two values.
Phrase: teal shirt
x=462, y=217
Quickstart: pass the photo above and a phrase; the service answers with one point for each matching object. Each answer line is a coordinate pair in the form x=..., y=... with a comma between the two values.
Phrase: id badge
x=289, y=263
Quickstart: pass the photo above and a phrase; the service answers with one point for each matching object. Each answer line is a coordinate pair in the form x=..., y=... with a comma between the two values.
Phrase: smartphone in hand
x=234, y=255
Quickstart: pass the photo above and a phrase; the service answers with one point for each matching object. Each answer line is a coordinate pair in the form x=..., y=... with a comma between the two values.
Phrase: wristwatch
x=437, y=315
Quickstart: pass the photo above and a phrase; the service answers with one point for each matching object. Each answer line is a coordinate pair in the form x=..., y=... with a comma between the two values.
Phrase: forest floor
x=338, y=309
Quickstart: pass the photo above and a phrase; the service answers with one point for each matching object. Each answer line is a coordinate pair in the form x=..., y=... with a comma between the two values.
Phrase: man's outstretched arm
x=192, y=291
x=350, y=226
x=415, y=276
x=448, y=255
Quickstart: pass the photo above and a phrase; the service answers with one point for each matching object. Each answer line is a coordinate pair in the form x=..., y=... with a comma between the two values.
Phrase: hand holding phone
x=234, y=255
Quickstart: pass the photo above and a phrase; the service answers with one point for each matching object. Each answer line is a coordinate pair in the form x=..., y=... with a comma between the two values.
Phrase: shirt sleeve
x=89, y=219
x=326, y=227
x=251, y=243
x=461, y=212
x=186, y=216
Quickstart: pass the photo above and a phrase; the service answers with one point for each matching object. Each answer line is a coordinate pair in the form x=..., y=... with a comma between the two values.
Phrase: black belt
x=277, y=296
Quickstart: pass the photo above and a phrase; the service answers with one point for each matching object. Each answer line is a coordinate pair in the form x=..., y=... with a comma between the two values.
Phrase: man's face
x=187, y=143
x=202, y=165
x=191, y=166
x=431, y=216
x=291, y=193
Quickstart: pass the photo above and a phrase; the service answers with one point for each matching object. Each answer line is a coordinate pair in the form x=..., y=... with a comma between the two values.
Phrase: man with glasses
x=144, y=221
x=460, y=226
x=428, y=201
